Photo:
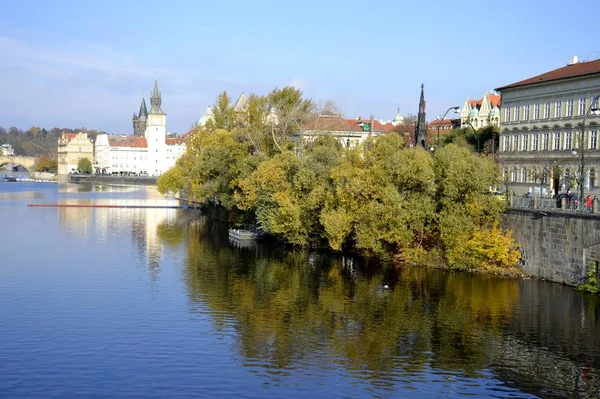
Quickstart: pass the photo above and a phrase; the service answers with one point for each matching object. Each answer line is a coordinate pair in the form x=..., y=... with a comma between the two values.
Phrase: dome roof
x=208, y=116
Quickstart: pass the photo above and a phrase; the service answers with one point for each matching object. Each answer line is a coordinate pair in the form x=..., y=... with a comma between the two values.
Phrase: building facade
x=350, y=133
x=542, y=134
x=441, y=126
x=72, y=147
x=7, y=150
x=483, y=112
x=152, y=154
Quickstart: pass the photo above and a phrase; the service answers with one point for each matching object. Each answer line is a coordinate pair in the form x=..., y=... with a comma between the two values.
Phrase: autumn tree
x=84, y=165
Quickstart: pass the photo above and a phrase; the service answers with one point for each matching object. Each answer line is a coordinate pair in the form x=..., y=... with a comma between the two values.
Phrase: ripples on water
x=157, y=303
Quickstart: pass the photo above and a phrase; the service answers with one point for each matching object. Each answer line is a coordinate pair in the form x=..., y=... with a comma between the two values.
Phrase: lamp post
x=475, y=133
x=592, y=108
x=456, y=109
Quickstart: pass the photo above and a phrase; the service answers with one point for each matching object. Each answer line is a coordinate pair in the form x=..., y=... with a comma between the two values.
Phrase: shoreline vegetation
x=383, y=199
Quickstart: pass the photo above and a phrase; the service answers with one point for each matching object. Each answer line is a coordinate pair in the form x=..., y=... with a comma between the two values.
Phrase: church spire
x=155, y=100
x=421, y=128
x=143, y=109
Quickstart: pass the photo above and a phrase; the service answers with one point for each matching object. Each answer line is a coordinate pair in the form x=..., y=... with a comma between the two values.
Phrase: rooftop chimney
x=573, y=60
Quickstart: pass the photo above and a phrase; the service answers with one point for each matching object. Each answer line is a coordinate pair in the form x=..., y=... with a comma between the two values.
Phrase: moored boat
x=247, y=233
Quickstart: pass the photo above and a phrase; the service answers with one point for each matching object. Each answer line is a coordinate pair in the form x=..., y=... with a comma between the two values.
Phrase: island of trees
x=383, y=199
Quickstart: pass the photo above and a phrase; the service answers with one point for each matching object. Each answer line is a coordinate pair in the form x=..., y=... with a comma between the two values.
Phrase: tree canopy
x=84, y=165
x=383, y=198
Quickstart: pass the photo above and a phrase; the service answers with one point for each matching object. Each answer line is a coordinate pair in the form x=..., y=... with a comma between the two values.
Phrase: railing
x=557, y=204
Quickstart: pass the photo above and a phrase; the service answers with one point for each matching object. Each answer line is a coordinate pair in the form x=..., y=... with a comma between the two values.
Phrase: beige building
x=73, y=147
x=483, y=112
x=541, y=130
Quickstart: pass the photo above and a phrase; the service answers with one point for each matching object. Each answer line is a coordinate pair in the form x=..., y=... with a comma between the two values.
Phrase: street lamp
x=456, y=109
x=475, y=133
x=593, y=108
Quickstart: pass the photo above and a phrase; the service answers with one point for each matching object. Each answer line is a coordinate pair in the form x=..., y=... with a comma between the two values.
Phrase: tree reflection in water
x=294, y=309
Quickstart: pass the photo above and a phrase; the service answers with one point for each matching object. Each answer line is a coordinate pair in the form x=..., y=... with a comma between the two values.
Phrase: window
x=506, y=143
x=547, y=110
x=582, y=106
x=570, y=107
x=516, y=142
x=536, y=111
x=525, y=142
x=592, y=180
x=569, y=141
x=517, y=113
x=536, y=137
x=558, y=109
x=507, y=114
x=594, y=139
x=556, y=145
x=515, y=174
x=595, y=104
x=546, y=141
x=526, y=112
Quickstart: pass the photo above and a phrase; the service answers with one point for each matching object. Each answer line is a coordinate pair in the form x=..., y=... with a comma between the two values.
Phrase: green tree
x=84, y=165
x=224, y=114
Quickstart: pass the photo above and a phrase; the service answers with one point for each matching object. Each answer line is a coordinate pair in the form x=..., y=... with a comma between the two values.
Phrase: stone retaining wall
x=556, y=245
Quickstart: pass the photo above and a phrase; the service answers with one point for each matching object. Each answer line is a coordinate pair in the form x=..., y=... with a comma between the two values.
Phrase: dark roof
x=569, y=71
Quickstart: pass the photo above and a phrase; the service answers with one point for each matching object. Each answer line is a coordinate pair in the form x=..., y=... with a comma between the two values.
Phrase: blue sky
x=71, y=63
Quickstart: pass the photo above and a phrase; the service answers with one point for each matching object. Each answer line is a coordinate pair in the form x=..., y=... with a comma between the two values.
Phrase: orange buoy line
x=114, y=206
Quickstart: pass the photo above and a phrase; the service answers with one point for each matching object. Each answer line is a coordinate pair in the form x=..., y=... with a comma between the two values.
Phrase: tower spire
x=421, y=128
x=155, y=100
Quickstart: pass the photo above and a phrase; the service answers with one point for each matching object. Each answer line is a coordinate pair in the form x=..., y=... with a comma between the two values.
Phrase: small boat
x=9, y=178
x=247, y=233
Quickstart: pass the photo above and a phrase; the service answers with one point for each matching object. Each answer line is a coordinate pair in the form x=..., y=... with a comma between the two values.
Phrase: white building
x=152, y=154
x=542, y=125
x=7, y=150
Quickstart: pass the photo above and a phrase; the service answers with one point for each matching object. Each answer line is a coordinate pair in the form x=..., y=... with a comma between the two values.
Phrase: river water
x=104, y=302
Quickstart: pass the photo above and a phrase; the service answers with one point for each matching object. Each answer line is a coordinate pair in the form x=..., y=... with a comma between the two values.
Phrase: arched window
x=524, y=177
x=515, y=174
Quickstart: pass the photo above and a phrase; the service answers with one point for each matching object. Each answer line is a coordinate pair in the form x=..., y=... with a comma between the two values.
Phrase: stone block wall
x=556, y=245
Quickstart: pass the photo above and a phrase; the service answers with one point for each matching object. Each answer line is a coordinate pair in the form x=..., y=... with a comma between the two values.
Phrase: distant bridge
x=26, y=162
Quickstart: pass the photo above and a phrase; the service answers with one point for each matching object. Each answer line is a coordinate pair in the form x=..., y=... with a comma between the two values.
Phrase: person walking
x=588, y=202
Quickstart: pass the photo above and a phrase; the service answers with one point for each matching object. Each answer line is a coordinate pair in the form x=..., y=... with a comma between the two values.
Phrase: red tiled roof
x=444, y=122
x=174, y=140
x=569, y=71
x=347, y=125
x=127, y=141
x=69, y=136
x=495, y=101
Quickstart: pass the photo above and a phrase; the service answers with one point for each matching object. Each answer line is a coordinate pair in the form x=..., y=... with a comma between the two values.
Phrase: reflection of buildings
x=101, y=223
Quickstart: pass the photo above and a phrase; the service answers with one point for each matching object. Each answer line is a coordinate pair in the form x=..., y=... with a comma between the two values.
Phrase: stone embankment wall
x=113, y=180
x=556, y=245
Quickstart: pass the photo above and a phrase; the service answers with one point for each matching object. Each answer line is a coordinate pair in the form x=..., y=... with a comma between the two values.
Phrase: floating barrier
x=114, y=206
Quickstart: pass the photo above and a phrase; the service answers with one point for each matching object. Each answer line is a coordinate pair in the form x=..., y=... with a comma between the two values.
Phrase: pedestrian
x=588, y=202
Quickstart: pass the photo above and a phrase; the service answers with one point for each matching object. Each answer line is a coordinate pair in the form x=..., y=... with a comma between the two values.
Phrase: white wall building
x=152, y=154
x=541, y=129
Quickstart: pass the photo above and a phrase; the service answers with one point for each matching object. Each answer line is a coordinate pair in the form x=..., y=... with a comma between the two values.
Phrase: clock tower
x=156, y=133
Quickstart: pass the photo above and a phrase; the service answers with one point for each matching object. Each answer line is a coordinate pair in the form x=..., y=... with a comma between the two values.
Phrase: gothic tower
x=156, y=132
x=140, y=120
x=421, y=128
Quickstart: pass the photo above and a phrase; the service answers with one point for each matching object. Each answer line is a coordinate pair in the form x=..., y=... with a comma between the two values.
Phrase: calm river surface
x=157, y=303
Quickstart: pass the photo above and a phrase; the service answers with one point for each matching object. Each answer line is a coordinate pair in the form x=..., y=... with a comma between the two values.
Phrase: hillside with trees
x=36, y=141
x=383, y=199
